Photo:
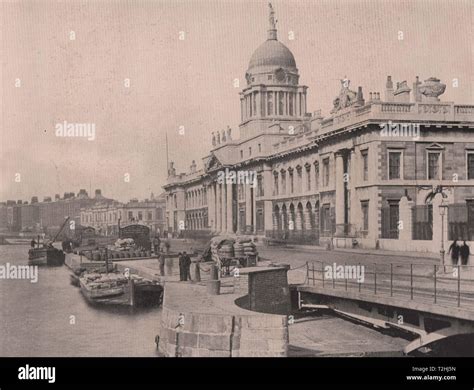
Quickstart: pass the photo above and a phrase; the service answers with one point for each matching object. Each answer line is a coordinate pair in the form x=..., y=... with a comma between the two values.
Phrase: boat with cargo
x=116, y=288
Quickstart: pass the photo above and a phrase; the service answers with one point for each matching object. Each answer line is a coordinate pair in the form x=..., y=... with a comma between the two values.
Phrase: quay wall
x=194, y=324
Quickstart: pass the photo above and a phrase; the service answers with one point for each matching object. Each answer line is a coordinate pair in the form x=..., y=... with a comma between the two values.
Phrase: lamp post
x=442, y=212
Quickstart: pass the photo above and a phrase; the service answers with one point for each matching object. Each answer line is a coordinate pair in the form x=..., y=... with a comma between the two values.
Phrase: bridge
x=433, y=302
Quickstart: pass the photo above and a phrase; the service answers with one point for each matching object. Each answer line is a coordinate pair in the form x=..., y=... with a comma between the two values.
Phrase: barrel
x=214, y=272
x=168, y=266
x=213, y=287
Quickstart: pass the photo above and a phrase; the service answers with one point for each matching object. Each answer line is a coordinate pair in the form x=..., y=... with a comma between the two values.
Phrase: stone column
x=258, y=104
x=275, y=103
x=307, y=219
x=229, y=208
x=267, y=190
x=297, y=99
x=339, y=181
x=248, y=207
x=437, y=221
x=212, y=207
x=219, y=207
x=405, y=214
x=298, y=222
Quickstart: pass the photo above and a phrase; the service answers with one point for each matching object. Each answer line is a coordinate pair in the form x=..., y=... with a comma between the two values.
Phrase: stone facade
x=105, y=217
x=337, y=180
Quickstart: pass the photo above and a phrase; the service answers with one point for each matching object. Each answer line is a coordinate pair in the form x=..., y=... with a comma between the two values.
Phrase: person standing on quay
x=464, y=252
x=454, y=250
x=187, y=267
x=181, y=266
x=156, y=245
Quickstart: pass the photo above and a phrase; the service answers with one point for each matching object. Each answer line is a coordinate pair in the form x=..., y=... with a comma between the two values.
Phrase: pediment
x=213, y=163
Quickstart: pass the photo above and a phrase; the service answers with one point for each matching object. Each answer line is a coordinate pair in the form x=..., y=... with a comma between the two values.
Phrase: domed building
x=342, y=180
x=272, y=93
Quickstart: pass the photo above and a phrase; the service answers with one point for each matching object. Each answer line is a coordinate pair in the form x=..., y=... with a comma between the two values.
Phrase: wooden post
x=391, y=279
x=360, y=284
x=132, y=291
x=459, y=285
x=435, y=267
x=322, y=271
x=375, y=279
x=307, y=272
x=345, y=278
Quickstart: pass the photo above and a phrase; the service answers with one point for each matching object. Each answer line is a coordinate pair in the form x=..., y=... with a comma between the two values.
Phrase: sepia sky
x=47, y=78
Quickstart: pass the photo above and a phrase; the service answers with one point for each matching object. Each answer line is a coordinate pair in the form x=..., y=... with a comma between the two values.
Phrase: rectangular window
x=260, y=185
x=365, y=165
x=470, y=166
x=130, y=215
x=292, y=184
x=326, y=171
x=241, y=154
x=150, y=216
x=270, y=103
x=255, y=103
x=299, y=182
x=308, y=178
x=290, y=103
x=259, y=147
x=140, y=216
x=316, y=175
x=326, y=218
x=283, y=182
x=275, y=184
x=250, y=151
x=281, y=100
x=434, y=165
x=394, y=165
x=365, y=215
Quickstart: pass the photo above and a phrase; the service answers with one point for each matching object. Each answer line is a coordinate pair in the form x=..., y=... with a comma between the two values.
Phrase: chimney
x=98, y=193
x=193, y=167
x=19, y=201
x=56, y=197
x=416, y=92
x=34, y=199
x=360, y=98
x=48, y=198
x=389, y=89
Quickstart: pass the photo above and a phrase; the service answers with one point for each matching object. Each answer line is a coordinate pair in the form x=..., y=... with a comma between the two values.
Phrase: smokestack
x=389, y=89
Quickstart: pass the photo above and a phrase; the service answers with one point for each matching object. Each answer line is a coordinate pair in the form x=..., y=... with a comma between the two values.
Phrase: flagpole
x=167, y=157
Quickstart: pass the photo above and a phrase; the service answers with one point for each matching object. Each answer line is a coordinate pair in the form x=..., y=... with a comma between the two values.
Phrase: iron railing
x=451, y=285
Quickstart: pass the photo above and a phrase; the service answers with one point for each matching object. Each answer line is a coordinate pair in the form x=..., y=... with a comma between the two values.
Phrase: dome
x=274, y=54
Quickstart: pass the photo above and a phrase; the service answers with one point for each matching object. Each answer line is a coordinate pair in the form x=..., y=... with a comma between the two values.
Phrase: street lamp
x=442, y=212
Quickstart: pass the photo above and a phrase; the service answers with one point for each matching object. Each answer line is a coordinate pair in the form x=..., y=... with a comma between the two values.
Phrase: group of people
x=459, y=252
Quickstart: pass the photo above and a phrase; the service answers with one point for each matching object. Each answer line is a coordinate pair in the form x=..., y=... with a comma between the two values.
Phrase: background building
x=105, y=217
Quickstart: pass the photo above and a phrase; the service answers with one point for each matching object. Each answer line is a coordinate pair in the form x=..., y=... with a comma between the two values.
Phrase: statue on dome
x=218, y=137
x=224, y=139
x=213, y=139
x=272, y=19
x=229, y=133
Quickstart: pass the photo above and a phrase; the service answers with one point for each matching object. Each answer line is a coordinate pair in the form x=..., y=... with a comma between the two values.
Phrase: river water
x=36, y=318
